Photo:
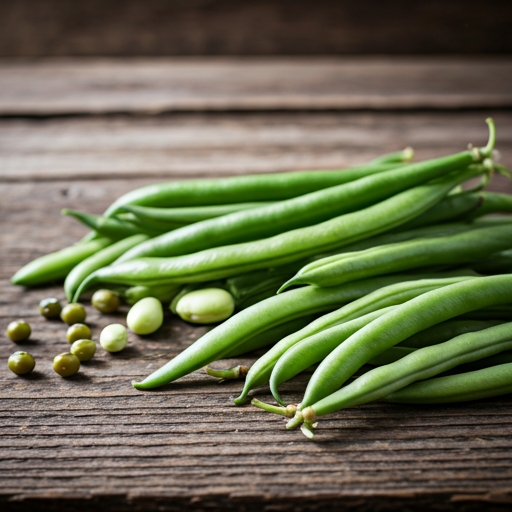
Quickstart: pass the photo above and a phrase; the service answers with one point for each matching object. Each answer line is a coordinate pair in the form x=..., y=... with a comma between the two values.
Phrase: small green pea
x=50, y=308
x=66, y=364
x=73, y=314
x=21, y=363
x=106, y=301
x=146, y=316
x=83, y=349
x=19, y=331
x=206, y=306
x=113, y=338
x=78, y=332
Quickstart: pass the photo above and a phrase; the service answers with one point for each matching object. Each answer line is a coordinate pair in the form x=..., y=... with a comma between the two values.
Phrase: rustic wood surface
x=93, y=441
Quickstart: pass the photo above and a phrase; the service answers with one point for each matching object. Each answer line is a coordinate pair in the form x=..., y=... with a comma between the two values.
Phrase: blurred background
x=37, y=28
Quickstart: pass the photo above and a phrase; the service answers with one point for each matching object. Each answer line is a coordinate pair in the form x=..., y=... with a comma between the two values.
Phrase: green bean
x=234, y=334
x=445, y=331
x=298, y=212
x=492, y=202
x=421, y=364
x=222, y=262
x=184, y=216
x=113, y=228
x=486, y=362
x=100, y=259
x=464, y=387
x=498, y=263
x=397, y=289
x=405, y=320
x=241, y=189
x=57, y=265
x=387, y=259
x=391, y=355
x=400, y=156
x=314, y=349
x=164, y=292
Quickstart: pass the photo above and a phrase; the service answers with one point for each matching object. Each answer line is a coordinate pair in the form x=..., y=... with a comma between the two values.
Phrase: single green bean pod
x=78, y=332
x=83, y=349
x=21, y=363
x=106, y=301
x=146, y=316
x=73, y=314
x=206, y=306
x=19, y=331
x=66, y=364
x=50, y=308
x=113, y=337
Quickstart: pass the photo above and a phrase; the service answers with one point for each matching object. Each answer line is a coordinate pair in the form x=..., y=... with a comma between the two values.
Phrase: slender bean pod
x=96, y=261
x=222, y=262
x=57, y=265
x=387, y=259
x=396, y=290
x=464, y=387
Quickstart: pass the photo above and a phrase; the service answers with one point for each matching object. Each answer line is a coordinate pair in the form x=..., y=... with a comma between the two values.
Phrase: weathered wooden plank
x=193, y=146
x=147, y=86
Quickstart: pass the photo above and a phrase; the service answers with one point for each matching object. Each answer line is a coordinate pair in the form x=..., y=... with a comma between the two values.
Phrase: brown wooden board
x=31, y=28
x=92, y=441
x=151, y=86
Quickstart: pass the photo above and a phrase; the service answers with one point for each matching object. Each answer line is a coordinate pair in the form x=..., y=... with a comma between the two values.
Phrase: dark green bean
x=492, y=202
x=57, y=265
x=298, y=212
x=234, y=334
x=222, y=262
x=475, y=385
x=396, y=290
x=164, y=292
x=405, y=320
x=421, y=364
x=456, y=249
x=498, y=263
x=241, y=189
x=96, y=261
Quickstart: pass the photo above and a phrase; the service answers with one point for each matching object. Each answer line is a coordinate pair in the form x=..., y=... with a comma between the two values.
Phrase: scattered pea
x=73, y=314
x=146, y=316
x=106, y=301
x=206, y=306
x=66, y=364
x=83, y=349
x=19, y=331
x=113, y=338
x=50, y=308
x=21, y=363
x=78, y=332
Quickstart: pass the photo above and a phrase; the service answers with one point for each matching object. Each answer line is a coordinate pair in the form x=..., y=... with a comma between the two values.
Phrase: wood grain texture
x=93, y=441
x=188, y=146
x=146, y=86
x=30, y=28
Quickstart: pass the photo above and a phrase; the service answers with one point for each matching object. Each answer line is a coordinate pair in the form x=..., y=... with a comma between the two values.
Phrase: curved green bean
x=421, y=364
x=492, y=202
x=405, y=320
x=314, y=349
x=96, y=261
x=57, y=265
x=464, y=387
x=242, y=189
x=387, y=259
x=235, y=332
x=398, y=289
x=222, y=262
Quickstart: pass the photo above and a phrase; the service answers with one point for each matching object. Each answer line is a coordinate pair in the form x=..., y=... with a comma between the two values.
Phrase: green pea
x=50, y=308
x=21, y=363
x=73, y=314
x=106, y=301
x=113, y=338
x=66, y=364
x=146, y=316
x=78, y=332
x=83, y=349
x=206, y=306
x=19, y=331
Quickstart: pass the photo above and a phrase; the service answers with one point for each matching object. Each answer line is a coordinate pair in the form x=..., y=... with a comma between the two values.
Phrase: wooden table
x=77, y=134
